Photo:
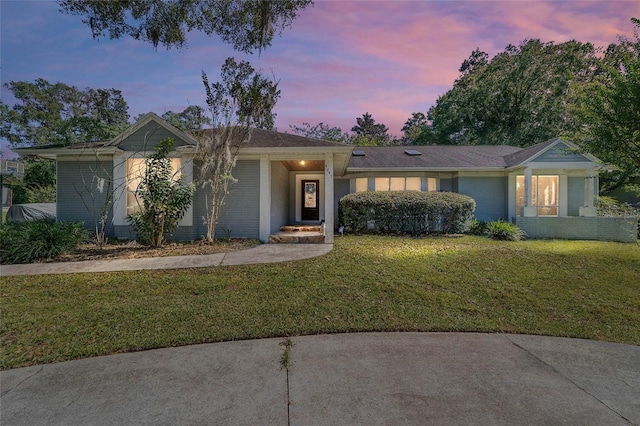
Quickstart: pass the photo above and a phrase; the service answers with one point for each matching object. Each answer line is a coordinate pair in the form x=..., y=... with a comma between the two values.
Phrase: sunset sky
x=339, y=60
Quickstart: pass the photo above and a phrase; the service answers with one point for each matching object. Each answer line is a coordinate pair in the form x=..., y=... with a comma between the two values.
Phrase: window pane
x=361, y=184
x=382, y=184
x=414, y=184
x=519, y=191
x=431, y=184
x=135, y=169
x=548, y=190
x=397, y=184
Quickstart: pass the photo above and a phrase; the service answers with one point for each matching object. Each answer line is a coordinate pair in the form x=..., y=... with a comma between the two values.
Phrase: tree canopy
x=609, y=107
x=49, y=113
x=416, y=130
x=368, y=132
x=321, y=131
x=192, y=118
x=241, y=100
x=519, y=97
x=247, y=25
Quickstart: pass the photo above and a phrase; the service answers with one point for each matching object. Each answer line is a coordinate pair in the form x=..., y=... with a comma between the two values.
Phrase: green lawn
x=559, y=288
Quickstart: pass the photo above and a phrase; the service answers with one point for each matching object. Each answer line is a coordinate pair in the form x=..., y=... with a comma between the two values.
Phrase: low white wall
x=622, y=229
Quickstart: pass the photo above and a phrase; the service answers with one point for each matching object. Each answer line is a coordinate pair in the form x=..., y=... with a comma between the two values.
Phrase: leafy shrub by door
x=499, y=230
x=26, y=242
x=406, y=212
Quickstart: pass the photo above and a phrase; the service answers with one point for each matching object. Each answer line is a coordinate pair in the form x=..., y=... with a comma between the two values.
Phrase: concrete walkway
x=264, y=253
x=344, y=379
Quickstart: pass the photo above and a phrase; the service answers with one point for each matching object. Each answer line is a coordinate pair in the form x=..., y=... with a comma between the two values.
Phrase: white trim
x=328, y=198
x=265, y=198
x=563, y=195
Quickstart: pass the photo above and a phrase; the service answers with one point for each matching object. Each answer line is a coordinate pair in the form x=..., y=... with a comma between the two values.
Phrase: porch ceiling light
x=302, y=163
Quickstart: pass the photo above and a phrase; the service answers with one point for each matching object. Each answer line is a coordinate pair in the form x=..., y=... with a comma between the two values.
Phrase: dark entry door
x=310, y=200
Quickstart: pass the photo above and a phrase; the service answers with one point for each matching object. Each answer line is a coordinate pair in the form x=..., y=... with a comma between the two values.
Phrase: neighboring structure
x=9, y=170
x=287, y=179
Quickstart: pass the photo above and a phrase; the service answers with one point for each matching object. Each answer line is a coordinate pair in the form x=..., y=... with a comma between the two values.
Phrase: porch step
x=298, y=234
x=301, y=228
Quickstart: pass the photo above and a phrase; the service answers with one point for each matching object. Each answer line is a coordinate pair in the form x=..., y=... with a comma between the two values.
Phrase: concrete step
x=301, y=228
x=298, y=234
x=296, y=238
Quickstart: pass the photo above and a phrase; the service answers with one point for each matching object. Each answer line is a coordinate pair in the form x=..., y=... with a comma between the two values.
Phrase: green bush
x=26, y=242
x=406, y=212
x=506, y=231
x=609, y=206
x=165, y=201
x=478, y=227
x=41, y=194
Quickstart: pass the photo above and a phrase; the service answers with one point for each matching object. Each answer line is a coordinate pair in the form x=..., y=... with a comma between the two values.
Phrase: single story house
x=285, y=179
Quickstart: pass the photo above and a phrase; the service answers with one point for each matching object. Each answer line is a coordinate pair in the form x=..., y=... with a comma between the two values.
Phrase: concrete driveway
x=344, y=379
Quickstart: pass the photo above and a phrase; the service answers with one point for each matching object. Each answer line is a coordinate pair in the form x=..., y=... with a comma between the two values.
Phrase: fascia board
x=53, y=153
x=423, y=169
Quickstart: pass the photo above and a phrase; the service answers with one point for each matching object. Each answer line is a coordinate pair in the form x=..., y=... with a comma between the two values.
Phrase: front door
x=310, y=200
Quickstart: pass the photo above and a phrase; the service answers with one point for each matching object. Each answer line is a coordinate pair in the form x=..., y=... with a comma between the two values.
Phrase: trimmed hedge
x=406, y=212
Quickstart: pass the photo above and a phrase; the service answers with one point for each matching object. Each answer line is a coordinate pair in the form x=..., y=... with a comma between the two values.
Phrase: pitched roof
x=433, y=157
x=261, y=138
x=529, y=153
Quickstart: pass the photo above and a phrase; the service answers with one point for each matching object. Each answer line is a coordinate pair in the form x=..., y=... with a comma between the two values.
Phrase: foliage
x=165, y=201
x=416, y=130
x=245, y=24
x=320, y=131
x=41, y=194
x=26, y=242
x=608, y=108
x=366, y=283
x=39, y=176
x=192, y=118
x=479, y=227
x=519, y=97
x=50, y=114
x=241, y=100
x=369, y=133
x=608, y=206
x=406, y=212
x=505, y=231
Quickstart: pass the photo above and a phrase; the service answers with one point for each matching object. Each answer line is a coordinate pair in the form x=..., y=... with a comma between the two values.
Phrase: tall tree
x=519, y=97
x=243, y=99
x=192, y=118
x=320, y=131
x=48, y=114
x=368, y=132
x=247, y=25
x=416, y=130
x=609, y=108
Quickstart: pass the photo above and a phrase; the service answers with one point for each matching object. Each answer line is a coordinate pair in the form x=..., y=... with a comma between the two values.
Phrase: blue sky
x=339, y=60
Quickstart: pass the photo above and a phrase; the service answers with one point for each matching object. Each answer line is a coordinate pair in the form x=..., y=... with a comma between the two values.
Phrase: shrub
x=478, y=227
x=506, y=231
x=41, y=194
x=406, y=212
x=609, y=206
x=165, y=201
x=26, y=242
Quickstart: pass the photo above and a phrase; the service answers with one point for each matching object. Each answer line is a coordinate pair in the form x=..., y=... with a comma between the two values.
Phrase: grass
x=559, y=288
